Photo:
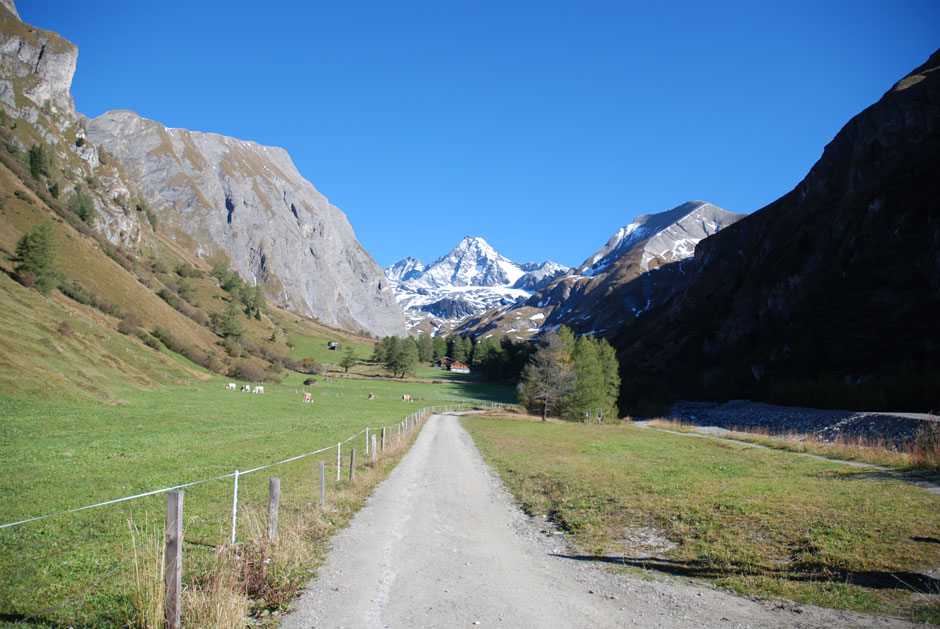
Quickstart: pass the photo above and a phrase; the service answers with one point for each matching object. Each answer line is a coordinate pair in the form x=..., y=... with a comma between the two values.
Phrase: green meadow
x=767, y=523
x=58, y=455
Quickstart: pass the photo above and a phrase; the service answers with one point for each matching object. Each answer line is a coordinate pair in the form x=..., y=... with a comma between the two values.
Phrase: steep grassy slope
x=39, y=359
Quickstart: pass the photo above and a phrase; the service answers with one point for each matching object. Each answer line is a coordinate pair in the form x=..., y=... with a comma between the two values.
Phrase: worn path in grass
x=716, y=432
x=441, y=544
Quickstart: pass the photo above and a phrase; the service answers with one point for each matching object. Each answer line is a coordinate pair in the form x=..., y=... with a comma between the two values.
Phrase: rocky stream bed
x=895, y=430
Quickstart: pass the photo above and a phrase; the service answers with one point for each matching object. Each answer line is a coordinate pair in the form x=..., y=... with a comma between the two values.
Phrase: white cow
x=258, y=390
x=230, y=386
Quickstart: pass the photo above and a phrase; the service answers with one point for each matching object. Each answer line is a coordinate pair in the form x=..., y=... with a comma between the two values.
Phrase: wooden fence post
x=367, y=441
x=339, y=460
x=274, y=501
x=383, y=439
x=352, y=463
x=375, y=454
x=173, y=557
x=322, y=487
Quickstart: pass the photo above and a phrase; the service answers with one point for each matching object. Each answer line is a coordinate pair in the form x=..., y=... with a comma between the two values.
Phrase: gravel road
x=441, y=544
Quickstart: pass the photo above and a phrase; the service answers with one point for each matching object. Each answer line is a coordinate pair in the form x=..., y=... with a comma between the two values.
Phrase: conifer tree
x=348, y=360
x=37, y=259
x=425, y=348
x=547, y=379
x=440, y=348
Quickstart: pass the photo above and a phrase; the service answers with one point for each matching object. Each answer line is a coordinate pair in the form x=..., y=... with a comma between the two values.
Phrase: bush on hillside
x=208, y=360
x=129, y=324
x=311, y=366
x=167, y=295
x=244, y=370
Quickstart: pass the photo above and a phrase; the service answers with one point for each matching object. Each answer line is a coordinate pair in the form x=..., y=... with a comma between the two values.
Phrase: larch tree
x=548, y=378
x=36, y=258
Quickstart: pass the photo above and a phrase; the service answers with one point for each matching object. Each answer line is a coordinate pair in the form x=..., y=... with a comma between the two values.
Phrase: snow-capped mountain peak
x=670, y=235
x=403, y=270
x=471, y=278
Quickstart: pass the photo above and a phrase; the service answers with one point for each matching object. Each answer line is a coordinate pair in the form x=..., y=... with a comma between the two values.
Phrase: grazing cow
x=246, y=388
x=308, y=397
x=230, y=386
x=258, y=390
x=406, y=398
x=371, y=396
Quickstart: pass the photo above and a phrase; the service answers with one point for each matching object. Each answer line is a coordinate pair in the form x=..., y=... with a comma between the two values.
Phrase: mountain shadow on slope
x=826, y=297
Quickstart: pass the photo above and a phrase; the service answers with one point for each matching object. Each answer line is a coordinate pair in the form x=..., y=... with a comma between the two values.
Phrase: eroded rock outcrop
x=226, y=198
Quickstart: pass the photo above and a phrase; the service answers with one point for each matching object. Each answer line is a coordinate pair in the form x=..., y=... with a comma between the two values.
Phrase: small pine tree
x=81, y=204
x=40, y=161
x=36, y=258
x=226, y=323
x=348, y=360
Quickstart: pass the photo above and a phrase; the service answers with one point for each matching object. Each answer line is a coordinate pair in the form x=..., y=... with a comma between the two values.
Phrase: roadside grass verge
x=57, y=455
x=760, y=522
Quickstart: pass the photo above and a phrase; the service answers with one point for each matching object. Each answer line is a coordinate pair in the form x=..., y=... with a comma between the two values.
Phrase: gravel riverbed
x=897, y=430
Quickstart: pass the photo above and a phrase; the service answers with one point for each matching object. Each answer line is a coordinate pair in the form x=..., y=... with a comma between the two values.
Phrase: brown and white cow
x=246, y=388
x=406, y=398
x=258, y=389
x=308, y=397
x=230, y=386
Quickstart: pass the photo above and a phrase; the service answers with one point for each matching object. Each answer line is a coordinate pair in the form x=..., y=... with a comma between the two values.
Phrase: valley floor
x=441, y=543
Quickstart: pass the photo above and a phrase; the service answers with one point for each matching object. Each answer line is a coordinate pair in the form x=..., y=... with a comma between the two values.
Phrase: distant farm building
x=459, y=367
x=444, y=362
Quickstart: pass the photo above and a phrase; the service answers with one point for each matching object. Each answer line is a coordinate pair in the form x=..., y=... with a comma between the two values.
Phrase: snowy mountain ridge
x=469, y=280
x=616, y=284
x=670, y=235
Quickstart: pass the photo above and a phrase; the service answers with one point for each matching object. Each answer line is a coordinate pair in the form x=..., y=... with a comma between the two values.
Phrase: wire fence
x=63, y=537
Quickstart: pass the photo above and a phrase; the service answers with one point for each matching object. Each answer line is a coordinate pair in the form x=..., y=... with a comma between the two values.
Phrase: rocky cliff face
x=837, y=281
x=37, y=64
x=227, y=198
x=217, y=198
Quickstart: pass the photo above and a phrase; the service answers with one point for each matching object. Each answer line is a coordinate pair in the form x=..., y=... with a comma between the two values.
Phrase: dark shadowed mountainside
x=830, y=295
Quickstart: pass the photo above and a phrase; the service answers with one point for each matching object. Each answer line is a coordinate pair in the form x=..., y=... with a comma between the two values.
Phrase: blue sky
x=541, y=126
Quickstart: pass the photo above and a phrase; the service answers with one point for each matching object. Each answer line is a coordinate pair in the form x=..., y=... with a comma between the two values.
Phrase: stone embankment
x=895, y=430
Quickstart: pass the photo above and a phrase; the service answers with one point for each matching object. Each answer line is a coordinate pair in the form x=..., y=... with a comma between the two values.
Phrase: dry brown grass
x=147, y=591
x=220, y=602
x=927, y=447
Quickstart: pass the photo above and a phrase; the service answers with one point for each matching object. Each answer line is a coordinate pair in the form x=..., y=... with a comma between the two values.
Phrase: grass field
x=57, y=456
x=761, y=522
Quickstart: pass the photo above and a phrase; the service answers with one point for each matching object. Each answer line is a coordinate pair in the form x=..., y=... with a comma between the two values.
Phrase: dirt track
x=440, y=544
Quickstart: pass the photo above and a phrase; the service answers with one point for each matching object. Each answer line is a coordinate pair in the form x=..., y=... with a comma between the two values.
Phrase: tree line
x=499, y=360
x=576, y=378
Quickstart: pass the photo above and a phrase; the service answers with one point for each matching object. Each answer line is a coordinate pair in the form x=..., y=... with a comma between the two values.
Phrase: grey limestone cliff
x=225, y=198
